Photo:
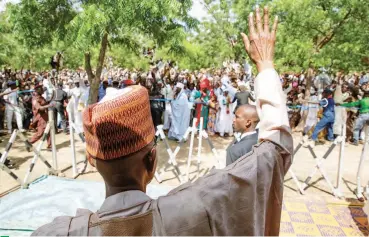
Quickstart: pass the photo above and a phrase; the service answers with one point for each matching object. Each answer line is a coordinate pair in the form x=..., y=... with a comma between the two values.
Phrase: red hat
x=205, y=84
x=120, y=125
x=128, y=82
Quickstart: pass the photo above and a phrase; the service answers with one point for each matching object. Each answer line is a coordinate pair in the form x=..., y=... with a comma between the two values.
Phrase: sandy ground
x=302, y=166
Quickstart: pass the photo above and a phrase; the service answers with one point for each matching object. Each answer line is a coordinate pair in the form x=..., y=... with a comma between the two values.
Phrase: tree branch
x=88, y=66
x=95, y=83
x=328, y=37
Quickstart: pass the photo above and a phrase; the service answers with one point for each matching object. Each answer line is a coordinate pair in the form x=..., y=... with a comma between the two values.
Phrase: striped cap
x=119, y=125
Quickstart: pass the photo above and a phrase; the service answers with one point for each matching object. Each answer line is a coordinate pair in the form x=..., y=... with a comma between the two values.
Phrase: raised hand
x=260, y=43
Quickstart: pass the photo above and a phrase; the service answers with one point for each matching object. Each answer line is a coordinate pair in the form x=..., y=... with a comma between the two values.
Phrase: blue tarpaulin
x=25, y=210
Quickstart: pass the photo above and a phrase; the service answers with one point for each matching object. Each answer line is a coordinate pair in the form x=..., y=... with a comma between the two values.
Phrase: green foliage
x=329, y=33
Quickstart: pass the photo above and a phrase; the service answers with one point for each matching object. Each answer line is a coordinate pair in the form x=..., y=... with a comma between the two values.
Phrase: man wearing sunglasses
x=244, y=199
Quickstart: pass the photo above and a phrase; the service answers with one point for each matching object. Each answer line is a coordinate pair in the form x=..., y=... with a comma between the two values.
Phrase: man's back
x=243, y=98
x=217, y=204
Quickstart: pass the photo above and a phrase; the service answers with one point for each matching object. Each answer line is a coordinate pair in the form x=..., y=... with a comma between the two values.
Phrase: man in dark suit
x=245, y=122
x=242, y=97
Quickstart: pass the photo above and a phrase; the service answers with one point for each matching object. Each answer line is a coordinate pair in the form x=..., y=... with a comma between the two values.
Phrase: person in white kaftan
x=12, y=107
x=225, y=122
x=167, y=91
x=340, y=96
x=180, y=114
x=312, y=117
x=78, y=93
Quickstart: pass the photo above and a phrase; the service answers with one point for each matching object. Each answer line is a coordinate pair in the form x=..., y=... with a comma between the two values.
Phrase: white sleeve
x=272, y=110
x=6, y=96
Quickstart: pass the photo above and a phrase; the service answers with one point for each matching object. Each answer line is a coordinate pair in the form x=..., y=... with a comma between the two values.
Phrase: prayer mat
x=321, y=218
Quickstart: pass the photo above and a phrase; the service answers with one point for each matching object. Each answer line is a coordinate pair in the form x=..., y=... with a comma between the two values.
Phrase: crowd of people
x=243, y=199
x=179, y=96
x=334, y=100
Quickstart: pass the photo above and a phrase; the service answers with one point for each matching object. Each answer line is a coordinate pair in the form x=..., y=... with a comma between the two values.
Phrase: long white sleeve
x=272, y=110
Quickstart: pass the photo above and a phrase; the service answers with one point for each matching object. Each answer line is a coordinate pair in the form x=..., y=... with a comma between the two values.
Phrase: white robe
x=180, y=116
x=77, y=94
x=225, y=121
x=312, y=117
x=340, y=112
x=168, y=94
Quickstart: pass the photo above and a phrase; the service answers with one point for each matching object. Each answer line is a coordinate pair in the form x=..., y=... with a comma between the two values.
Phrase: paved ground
x=303, y=164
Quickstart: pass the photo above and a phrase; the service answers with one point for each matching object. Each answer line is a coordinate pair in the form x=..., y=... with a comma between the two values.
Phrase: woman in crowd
x=213, y=110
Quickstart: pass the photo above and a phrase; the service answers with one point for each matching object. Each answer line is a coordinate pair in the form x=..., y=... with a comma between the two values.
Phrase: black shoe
x=355, y=143
x=28, y=146
x=8, y=164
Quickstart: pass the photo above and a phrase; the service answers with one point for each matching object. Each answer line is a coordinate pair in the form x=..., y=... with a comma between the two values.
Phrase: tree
x=89, y=24
x=312, y=33
x=120, y=22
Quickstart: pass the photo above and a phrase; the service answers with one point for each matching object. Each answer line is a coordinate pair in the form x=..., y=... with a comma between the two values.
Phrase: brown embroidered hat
x=119, y=125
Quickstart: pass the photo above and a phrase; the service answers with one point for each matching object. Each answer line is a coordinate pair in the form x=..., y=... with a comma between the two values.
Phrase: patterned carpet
x=321, y=218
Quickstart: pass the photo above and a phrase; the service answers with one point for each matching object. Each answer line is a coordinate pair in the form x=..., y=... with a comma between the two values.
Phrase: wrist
x=261, y=66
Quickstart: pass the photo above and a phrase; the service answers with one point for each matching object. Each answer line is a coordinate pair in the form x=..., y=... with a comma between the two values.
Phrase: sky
x=3, y=3
x=197, y=10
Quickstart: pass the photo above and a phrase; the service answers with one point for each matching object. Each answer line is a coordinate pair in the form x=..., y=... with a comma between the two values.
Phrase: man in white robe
x=312, y=117
x=225, y=122
x=340, y=96
x=78, y=93
x=167, y=92
x=180, y=114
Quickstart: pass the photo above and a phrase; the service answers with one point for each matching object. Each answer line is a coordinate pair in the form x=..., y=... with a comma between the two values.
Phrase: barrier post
x=191, y=148
x=338, y=191
x=359, y=189
x=213, y=150
x=200, y=144
x=52, y=134
x=72, y=144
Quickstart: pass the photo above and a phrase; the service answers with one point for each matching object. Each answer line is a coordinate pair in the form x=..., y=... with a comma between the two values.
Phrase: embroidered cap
x=119, y=124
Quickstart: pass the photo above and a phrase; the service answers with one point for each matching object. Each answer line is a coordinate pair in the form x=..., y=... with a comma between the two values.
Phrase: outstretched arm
x=270, y=99
x=245, y=198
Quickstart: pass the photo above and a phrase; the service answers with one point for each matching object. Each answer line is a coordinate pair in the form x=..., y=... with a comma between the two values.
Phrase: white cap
x=180, y=85
x=241, y=83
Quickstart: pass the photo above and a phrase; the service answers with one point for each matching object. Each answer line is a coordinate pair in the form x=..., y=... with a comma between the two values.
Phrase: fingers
x=258, y=21
x=251, y=26
x=274, y=29
x=266, y=20
x=246, y=42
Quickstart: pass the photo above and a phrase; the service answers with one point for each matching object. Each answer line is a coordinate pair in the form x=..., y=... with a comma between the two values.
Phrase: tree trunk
x=88, y=67
x=95, y=82
x=309, y=80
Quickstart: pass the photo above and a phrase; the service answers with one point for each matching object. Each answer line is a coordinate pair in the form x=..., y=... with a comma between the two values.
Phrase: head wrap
x=205, y=84
x=118, y=125
x=128, y=82
x=180, y=85
x=11, y=83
